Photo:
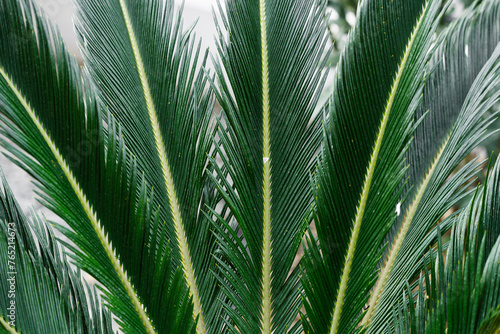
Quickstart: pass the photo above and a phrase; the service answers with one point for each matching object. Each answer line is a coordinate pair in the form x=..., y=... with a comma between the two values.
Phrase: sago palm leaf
x=78, y=159
x=268, y=87
x=462, y=293
x=142, y=61
x=461, y=51
x=41, y=290
x=457, y=121
x=358, y=184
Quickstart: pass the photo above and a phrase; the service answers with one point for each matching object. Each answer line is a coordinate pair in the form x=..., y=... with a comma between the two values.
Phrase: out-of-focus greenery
x=343, y=15
x=340, y=12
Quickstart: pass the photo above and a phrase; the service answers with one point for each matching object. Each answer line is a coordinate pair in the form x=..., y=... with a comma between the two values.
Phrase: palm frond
x=464, y=129
x=461, y=52
x=41, y=290
x=357, y=187
x=462, y=293
x=75, y=153
x=143, y=63
x=268, y=87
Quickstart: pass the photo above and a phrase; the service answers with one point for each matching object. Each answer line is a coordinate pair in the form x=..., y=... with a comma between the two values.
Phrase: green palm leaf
x=461, y=293
x=357, y=188
x=142, y=61
x=461, y=51
x=40, y=288
x=195, y=245
x=452, y=130
x=85, y=175
x=268, y=87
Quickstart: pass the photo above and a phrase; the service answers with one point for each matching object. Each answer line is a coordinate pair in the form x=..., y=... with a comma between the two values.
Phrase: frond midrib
x=167, y=174
x=396, y=244
x=5, y=324
x=99, y=230
x=368, y=179
x=266, y=158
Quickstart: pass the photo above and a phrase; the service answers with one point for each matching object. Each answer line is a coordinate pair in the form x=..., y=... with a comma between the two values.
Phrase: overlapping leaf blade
x=268, y=86
x=143, y=62
x=461, y=293
x=357, y=187
x=78, y=159
x=41, y=289
x=461, y=51
x=463, y=130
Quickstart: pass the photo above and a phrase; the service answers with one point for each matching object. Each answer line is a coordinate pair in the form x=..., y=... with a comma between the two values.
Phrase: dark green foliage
x=89, y=141
x=169, y=55
x=47, y=292
x=296, y=39
x=460, y=53
x=367, y=87
x=465, y=125
x=191, y=221
x=461, y=293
